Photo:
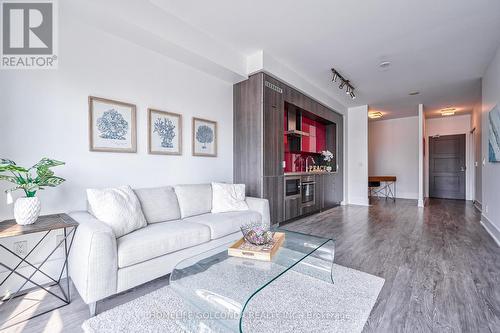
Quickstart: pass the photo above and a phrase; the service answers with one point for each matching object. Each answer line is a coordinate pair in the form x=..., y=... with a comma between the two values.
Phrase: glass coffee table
x=219, y=287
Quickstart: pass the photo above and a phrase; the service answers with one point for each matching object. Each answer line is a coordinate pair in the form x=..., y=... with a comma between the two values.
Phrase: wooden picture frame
x=103, y=111
x=165, y=145
x=204, y=141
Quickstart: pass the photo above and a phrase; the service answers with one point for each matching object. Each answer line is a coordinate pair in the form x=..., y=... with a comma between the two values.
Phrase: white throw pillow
x=228, y=197
x=117, y=207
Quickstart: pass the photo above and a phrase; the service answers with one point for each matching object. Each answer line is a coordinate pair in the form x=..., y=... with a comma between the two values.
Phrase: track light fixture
x=343, y=83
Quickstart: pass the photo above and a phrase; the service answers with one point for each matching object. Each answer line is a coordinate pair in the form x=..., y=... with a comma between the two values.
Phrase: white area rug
x=295, y=302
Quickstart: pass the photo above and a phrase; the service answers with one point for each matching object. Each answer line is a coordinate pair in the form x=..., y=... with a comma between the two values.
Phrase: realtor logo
x=29, y=34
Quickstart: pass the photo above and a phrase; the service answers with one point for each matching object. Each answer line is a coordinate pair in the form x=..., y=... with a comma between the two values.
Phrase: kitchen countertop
x=301, y=173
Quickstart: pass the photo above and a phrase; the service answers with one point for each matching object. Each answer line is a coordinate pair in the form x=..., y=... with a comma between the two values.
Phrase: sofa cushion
x=194, y=199
x=159, y=204
x=117, y=207
x=158, y=239
x=222, y=224
x=228, y=198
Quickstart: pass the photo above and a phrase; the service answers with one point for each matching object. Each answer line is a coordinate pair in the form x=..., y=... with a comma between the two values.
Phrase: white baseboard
x=478, y=205
x=491, y=229
x=359, y=201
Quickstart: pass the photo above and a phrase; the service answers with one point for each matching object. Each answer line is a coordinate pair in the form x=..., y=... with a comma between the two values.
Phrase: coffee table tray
x=243, y=249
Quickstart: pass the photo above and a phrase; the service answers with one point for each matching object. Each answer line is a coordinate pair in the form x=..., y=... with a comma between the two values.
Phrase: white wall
x=357, y=155
x=393, y=151
x=422, y=170
x=45, y=113
x=491, y=171
x=477, y=144
x=450, y=126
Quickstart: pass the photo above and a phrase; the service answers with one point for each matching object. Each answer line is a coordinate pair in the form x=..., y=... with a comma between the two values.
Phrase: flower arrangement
x=256, y=234
x=328, y=158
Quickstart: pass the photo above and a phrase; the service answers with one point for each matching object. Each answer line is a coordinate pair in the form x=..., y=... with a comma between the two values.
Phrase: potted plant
x=327, y=157
x=39, y=176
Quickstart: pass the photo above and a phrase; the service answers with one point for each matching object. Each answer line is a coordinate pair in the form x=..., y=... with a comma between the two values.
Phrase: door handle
x=462, y=169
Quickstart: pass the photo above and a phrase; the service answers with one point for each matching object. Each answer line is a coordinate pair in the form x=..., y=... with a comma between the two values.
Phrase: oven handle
x=308, y=183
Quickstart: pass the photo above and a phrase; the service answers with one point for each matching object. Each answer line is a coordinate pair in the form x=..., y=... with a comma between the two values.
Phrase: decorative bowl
x=256, y=234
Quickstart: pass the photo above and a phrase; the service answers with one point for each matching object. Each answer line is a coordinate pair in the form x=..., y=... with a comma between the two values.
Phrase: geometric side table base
x=44, y=225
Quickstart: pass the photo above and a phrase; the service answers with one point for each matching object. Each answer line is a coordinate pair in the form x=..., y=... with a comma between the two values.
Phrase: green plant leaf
x=13, y=189
x=30, y=187
x=11, y=179
x=47, y=162
x=7, y=161
x=52, y=181
x=43, y=173
x=12, y=167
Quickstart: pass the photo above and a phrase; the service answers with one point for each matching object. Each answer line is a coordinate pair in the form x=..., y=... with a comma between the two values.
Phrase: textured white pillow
x=117, y=207
x=228, y=197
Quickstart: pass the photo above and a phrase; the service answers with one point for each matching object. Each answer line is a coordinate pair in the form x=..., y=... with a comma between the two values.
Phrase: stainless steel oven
x=308, y=188
x=292, y=186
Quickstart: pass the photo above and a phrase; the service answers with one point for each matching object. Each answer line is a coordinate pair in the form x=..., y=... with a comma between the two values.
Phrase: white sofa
x=180, y=226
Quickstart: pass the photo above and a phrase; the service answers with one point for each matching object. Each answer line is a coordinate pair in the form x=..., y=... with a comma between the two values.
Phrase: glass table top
x=220, y=286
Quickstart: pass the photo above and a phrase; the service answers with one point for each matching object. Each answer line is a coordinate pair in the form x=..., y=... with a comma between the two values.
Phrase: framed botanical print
x=112, y=126
x=164, y=132
x=204, y=137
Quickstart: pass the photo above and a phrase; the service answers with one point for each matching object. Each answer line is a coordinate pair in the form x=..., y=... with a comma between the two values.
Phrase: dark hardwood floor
x=441, y=268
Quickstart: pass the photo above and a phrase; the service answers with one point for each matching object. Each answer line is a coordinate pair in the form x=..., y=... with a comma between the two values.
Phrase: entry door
x=447, y=167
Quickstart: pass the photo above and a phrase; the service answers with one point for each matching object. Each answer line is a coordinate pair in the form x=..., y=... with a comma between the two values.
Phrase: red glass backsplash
x=310, y=145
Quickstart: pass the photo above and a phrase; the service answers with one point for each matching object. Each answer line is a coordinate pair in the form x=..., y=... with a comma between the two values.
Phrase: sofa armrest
x=261, y=206
x=93, y=260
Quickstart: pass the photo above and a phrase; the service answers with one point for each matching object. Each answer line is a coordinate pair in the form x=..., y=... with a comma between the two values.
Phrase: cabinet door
x=273, y=128
x=274, y=193
x=338, y=189
x=319, y=204
x=292, y=208
x=329, y=195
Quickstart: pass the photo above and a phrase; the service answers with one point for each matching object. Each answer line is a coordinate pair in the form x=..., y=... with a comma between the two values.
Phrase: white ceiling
x=440, y=48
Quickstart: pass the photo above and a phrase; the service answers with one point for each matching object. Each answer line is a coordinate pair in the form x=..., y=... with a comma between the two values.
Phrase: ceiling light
x=343, y=83
x=448, y=112
x=375, y=114
x=414, y=93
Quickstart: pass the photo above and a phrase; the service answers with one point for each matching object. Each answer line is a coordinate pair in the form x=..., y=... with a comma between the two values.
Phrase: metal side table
x=43, y=226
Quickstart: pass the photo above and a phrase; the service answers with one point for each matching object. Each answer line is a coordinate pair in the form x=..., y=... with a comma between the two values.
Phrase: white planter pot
x=27, y=210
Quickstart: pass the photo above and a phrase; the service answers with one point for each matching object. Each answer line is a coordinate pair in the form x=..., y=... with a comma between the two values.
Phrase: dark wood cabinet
x=259, y=107
x=292, y=208
x=319, y=192
x=273, y=191
x=273, y=114
x=329, y=195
